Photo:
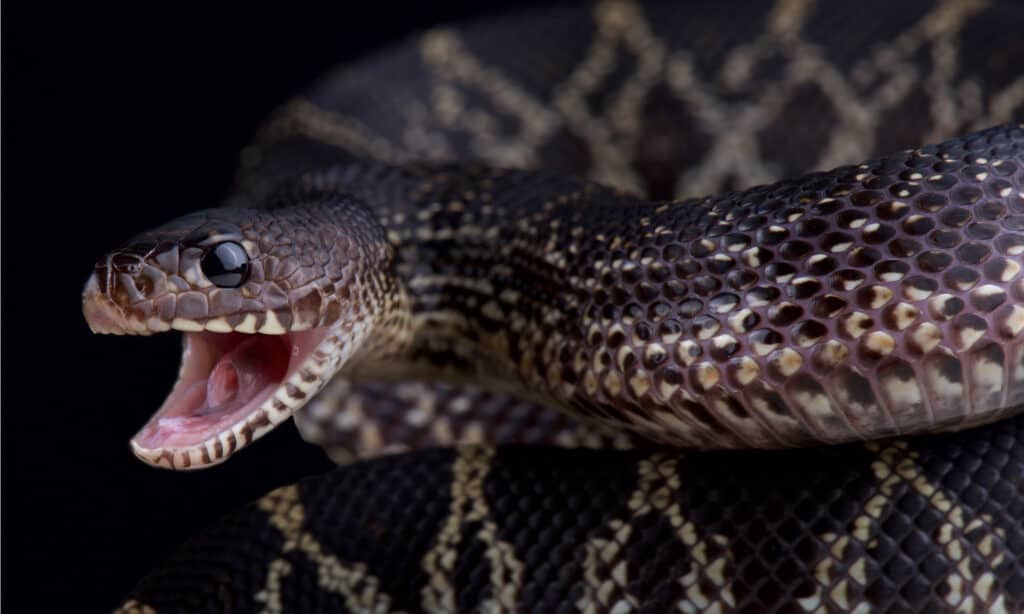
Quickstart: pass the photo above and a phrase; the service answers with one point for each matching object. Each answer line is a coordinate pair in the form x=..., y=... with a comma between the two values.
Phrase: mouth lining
x=226, y=395
x=224, y=377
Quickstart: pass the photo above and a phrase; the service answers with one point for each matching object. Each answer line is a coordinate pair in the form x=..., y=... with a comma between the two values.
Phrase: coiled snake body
x=376, y=270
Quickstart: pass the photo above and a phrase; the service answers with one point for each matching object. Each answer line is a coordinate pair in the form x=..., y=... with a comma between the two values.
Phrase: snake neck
x=536, y=285
x=472, y=273
x=361, y=301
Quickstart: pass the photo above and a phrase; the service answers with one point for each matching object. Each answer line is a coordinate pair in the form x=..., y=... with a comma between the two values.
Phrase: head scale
x=272, y=302
x=267, y=271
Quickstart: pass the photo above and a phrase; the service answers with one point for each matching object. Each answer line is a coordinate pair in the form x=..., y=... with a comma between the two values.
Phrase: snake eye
x=226, y=264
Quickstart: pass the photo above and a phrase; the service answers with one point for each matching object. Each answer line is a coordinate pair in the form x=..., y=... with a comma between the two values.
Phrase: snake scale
x=495, y=236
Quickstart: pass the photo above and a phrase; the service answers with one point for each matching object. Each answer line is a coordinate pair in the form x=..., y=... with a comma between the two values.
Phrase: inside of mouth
x=224, y=379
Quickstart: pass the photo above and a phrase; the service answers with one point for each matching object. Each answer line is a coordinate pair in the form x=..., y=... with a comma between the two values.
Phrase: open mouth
x=225, y=379
x=232, y=387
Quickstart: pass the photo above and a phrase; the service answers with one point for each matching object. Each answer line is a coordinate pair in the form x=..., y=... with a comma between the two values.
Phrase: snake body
x=930, y=525
x=382, y=234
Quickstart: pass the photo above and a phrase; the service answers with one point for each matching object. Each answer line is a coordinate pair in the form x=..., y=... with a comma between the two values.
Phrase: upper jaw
x=104, y=316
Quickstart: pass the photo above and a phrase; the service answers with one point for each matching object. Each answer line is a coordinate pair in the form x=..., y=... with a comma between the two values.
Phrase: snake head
x=270, y=302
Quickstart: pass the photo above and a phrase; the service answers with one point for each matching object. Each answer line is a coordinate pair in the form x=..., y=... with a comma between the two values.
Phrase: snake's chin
x=224, y=397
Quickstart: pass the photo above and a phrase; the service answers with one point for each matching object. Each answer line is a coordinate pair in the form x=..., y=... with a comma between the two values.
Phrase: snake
x=480, y=269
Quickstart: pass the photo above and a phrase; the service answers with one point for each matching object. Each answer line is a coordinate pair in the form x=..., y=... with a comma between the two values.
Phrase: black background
x=116, y=119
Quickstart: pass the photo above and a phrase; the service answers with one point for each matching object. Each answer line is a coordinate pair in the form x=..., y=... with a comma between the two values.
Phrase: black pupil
x=226, y=264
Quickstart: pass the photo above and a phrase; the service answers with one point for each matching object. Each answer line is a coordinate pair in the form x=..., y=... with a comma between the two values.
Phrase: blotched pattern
x=919, y=525
x=352, y=421
x=667, y=99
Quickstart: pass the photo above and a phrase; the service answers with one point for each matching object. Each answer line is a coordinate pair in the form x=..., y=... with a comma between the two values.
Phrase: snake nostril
x=126, y=263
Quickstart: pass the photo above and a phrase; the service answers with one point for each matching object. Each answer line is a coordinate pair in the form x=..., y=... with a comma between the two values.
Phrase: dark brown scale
x=742, y=279
x=861, y=257
x=918, y=287
x=891, y=269
x=764, y=294
x=811, y=228
x=795, y=250
x=736, y=242
x=757, y=256
x=658, y=311
x=724, y=303
x=967, y=195
x=981, y=232
x=784, y=314
x=804, y=288
x=706, y=285
x=674, y=289
x=646, y=292
x=866, y=198
x=961, y=278
x=851, y=219
x=825, y=208
x=705, y=326
x=1010, y=244
x=772, y=236
x=904, y=247
x=719, y=265
x=955, y=217
x=687, y=269
x=827, y=306
x=658, y=273
x=986, y=298
x=993, y=209
x=917, y=224
x=1001, y=269
x=846, y=279
x=821, y=265
x=690, y=308
x=946, y=308
x=746, y=323
x=945, y=238
x=809, y=332
x=941, y=181
x=891, y=210
x=934, y=261
x=779, y=272
x=931, y=202
x=1014, y=222
x=836, y=241
x=767, y=338
x=724, y=349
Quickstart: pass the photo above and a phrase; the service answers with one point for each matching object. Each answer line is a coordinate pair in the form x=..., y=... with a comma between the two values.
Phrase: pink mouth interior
x=225, y=377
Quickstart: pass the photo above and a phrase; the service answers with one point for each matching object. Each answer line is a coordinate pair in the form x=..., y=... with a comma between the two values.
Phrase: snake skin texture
x=924, y=525
x=873, y=300
x=361, y=420
x=878, y=299
x=663, y=99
